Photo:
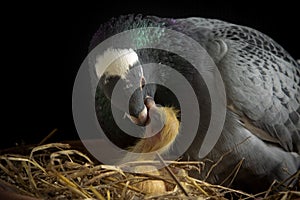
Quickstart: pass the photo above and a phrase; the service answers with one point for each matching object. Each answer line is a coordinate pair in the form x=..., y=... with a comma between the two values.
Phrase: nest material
x=57, y=171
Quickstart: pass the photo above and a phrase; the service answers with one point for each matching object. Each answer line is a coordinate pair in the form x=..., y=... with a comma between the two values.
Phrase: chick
x=161, y=131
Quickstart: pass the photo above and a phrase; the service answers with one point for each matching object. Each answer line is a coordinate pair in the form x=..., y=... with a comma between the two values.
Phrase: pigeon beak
x=143, y=117
x=149, y=102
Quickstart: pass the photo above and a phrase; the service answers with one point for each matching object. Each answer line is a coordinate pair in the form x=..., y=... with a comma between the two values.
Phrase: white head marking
x=115, y=62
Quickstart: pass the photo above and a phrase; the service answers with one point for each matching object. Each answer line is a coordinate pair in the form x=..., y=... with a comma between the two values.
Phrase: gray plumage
x=262, y=81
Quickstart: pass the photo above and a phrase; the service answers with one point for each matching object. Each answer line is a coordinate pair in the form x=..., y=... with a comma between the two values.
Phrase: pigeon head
x=123, y=78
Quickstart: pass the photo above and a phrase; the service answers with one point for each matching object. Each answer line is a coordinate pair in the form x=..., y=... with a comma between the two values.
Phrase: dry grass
x=57, y=171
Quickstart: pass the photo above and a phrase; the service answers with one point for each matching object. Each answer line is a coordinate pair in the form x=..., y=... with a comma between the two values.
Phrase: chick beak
x=143, y=117
x=149, y=102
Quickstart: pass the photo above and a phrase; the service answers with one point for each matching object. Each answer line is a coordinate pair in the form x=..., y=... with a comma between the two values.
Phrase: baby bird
x=161, y=131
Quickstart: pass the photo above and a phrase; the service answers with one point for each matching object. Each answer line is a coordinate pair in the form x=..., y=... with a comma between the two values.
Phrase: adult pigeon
x=260, y=139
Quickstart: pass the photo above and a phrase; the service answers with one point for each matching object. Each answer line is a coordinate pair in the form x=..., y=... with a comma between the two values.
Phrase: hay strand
x=56, y=171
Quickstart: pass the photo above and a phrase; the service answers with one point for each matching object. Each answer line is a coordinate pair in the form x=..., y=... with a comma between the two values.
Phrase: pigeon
x=260, y=139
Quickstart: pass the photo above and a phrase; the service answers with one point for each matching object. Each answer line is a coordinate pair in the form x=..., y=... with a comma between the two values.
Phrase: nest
x=59, y=171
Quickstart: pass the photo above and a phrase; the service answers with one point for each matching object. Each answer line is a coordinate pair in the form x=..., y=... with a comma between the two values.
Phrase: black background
x=44, y=44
